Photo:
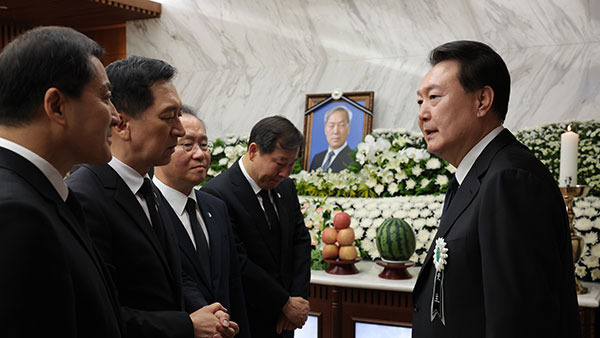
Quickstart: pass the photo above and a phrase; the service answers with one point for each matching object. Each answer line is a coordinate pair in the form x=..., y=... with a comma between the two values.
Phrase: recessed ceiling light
x=3, y=7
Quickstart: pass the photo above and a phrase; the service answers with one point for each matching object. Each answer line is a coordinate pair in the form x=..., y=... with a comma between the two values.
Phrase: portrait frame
x=316, y=106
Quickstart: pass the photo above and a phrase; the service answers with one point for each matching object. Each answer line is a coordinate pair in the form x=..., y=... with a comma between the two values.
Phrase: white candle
x=568, y=158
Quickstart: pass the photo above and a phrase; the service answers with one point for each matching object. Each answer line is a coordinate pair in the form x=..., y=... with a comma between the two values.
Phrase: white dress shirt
x=178, y=201
x=51, y=173
x=133, y=180
x=256, y=188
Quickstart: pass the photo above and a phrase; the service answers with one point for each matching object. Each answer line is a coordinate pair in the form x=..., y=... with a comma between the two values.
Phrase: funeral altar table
x=343, y=302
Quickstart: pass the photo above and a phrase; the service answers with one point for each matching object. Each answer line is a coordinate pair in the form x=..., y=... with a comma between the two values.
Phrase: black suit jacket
x=54, y=283
x=509, y=271
x=341, y=161
x=224, y=285
x=269, y=277
x=147, y=276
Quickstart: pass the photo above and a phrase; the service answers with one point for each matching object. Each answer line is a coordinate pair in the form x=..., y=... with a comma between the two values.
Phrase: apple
x=329, y=235
x=341, y=220
x=345, y=236
x=348, y=253
x=329, y=251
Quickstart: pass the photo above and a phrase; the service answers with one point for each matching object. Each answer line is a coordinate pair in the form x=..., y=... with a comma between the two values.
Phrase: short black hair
x=275, y=131
x=479, y=66
x=39, y=59
x=131, y=79
x=189, y=110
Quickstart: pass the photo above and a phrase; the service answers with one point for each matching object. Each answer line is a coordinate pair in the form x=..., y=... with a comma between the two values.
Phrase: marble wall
x=241, y=60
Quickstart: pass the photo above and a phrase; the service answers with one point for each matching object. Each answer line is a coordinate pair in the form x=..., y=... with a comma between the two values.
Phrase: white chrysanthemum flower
x=229, y=151
x=440, y=254
x=372, y=205
x=366, y=222
x=401, y=176
x=595, y=274
x=425, y=213
x=419, y=223
x=406, y=206
x=377, y=222
x=433, y=163
x=374, y=213
x=441, y=180
x=414, y=213
x=425, y=182
x=374, y=253
x=371, y=233
x=367, y=244
x=358, y=233
x=371, y=182
x=582, y=224
x=354, y=223
x=361, y=213
x=217, y=151
x=596, y=250
x=387, y=213
x=417, y=170
x=580, y=271
x=423, y=236
x=432, y=221
x=410, y=184
x=590, y=212
x=590, y=237
x=399, y=214
x=591, y=261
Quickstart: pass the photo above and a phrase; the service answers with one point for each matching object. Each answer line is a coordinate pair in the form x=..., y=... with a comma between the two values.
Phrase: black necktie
x=327, y=162
x=452, y=188
x=272, y=218
x=157, y=225
x=199, y=237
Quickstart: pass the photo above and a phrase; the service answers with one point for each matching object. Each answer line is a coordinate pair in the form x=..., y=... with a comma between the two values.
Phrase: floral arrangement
x=544, y=141
x=367, y=214
x=587, y=224
x=388, y=163
x=224, y=153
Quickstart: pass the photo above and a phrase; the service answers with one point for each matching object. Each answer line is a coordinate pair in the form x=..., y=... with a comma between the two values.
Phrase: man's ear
x=122, y=129
x=485, y=98
x=252, y=151
x=54, y=106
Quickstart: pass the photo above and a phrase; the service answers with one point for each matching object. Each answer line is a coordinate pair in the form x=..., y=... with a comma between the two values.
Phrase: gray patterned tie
x=327, y=162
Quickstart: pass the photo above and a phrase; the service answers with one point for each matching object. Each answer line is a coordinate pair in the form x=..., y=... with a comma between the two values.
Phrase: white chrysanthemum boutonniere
x=440, y=254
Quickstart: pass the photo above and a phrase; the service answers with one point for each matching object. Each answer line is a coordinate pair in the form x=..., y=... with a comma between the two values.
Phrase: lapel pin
x=278, y=195
x=209, y=215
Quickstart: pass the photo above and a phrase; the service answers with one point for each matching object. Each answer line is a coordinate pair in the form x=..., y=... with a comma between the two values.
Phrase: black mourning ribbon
x=157, y=224
x=272, y=219
x=437, y=298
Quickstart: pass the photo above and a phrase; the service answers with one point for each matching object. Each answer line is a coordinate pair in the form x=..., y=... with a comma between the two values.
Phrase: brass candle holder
x=569, y=194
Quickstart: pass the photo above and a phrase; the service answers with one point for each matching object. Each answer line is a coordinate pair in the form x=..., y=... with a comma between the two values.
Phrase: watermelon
x=395, y=240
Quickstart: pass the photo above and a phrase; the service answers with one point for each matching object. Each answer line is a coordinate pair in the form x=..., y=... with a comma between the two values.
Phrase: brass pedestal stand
x=569, y=195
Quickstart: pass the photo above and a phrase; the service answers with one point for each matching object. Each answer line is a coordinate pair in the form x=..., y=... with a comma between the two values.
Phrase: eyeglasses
x=189, y=146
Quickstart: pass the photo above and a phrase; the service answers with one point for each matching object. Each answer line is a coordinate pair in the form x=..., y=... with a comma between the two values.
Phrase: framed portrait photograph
x=334, y=124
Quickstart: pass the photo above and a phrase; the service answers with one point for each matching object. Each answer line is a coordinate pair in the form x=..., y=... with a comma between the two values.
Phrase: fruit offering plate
x=394, y=270
x=340, y=267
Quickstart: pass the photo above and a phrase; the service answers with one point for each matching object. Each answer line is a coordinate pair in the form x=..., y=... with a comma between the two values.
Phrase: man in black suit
x=55, y=111
x=337, y=127
x=127, y=222
x=201, y=225
x=272, y=241
x=501, y=262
